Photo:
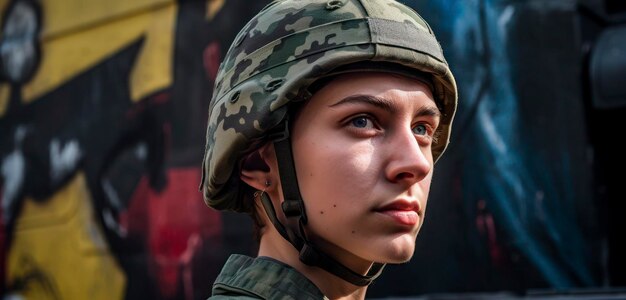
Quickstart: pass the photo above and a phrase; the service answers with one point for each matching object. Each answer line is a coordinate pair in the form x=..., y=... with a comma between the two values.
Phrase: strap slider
x=293, y=208
x=280, y=132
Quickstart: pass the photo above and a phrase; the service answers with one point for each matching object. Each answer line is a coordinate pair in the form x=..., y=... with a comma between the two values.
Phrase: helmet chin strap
x=296, y=219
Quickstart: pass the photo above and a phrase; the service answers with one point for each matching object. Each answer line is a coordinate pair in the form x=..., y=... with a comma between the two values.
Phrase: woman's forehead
x=372, y=84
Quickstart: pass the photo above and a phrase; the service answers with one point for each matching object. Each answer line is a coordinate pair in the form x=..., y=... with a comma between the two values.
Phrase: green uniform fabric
x=245, y=277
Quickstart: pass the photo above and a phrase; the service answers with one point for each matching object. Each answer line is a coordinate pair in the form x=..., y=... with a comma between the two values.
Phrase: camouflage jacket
x=244, y=277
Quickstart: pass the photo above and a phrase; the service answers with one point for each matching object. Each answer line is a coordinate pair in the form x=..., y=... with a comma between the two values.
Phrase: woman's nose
x=409, y=162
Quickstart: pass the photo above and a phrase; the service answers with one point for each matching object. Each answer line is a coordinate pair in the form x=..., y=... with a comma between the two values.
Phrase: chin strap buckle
x=294, y=208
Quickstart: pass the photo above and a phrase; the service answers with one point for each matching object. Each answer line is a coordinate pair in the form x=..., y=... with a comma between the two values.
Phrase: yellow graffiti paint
x=62, y=17
x=213, y=7
x=79, y=34
x=153, y=69
x=3, y=5
x=4, y=98
x=58, y=249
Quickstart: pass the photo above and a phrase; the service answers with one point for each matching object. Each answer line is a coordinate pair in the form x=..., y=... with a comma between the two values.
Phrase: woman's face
x=362, y=150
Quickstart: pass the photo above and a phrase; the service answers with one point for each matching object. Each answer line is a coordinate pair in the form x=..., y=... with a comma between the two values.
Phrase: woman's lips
x=403, y=212
x=404, y=217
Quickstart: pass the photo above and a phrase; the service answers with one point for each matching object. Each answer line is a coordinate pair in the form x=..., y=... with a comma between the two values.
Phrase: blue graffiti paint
x=530, y=196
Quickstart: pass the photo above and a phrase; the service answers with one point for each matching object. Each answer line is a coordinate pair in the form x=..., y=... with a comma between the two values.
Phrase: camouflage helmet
x=289, y=45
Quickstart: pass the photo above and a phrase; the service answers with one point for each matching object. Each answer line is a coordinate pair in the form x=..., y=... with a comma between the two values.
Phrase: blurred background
x=103, y=108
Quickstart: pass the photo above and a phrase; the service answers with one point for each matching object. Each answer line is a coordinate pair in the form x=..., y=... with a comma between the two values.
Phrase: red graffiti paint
x=160, y=98
x=486, y=227
x=177, y=224
x=211, y=59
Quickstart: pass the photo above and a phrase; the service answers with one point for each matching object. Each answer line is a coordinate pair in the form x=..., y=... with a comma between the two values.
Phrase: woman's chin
x=399, y=258
x=398, y=252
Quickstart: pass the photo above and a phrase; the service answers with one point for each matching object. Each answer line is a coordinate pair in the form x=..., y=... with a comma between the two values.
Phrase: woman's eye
x=420, y=129
x=362, y=122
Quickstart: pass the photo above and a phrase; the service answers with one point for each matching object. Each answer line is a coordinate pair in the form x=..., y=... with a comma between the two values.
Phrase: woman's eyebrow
x=431, y=111
x=368, y=99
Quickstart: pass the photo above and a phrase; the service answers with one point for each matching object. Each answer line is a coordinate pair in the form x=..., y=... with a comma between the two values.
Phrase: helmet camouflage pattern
x=288, y=46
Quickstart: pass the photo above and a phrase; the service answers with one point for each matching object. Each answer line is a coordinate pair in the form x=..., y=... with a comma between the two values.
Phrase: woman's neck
x=273, y=245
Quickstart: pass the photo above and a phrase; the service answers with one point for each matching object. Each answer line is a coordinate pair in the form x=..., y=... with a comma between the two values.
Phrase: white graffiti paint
x=112, y=196
x=13, y=171
x=14, y=297
x=491, y=130
x=111, y=223
x=141, y=151
x=504, y=19
x=18, y=49
x=63, y=159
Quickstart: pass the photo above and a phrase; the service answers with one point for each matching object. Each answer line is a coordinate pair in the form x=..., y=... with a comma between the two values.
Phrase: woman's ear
x=258, y=167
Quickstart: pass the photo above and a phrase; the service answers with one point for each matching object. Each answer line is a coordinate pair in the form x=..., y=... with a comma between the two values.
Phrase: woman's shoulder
x=244, y=277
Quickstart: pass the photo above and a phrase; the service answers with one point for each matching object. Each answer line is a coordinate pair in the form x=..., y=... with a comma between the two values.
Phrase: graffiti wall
x=103, y=108
x=102, y=120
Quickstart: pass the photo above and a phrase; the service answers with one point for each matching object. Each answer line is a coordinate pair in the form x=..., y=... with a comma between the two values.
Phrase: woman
x=326, y=120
